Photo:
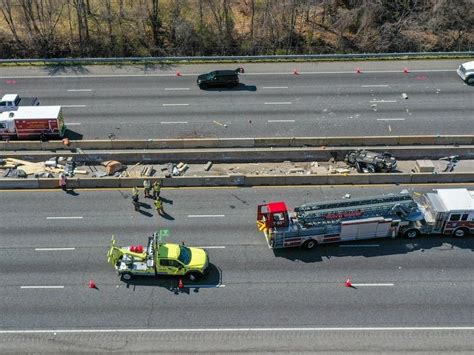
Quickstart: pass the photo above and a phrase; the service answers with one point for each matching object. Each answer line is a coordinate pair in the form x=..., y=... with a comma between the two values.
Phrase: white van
x=466, y=72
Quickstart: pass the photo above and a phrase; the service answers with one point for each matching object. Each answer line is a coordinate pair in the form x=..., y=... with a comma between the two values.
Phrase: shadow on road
x=240, y=87
x=72, y=135
x=212, y=280
x=366, y=248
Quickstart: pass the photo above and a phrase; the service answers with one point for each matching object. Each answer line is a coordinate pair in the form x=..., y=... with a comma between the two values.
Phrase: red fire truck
x=32, y=122
x=443, y=211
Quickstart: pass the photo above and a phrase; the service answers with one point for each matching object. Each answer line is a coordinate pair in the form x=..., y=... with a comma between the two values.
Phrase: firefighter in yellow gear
x=159, y=206
x=135, y=194
x=156, y=189
x=146, y=187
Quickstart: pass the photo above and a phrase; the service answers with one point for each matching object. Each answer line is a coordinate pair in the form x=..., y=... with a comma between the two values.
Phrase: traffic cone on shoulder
x=295, y=71
x=178, y=73
x=348, y=282
x=180, y=284
x=92, y=284
x=405, y=70
x=358, y=71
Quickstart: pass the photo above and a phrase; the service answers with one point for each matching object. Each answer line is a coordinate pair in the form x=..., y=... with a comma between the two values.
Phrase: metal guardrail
x=407, y=55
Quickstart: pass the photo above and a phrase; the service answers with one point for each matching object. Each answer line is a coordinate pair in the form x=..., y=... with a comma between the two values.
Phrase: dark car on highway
x=220, y=78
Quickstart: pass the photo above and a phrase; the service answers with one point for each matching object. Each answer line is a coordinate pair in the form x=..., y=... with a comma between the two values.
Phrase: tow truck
x=442, y=211
x=158, y=259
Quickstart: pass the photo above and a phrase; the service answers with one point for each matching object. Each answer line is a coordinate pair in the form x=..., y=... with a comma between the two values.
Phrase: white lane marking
x=275, y=121
x=79, y=90
x=390, y=119
x=256, y=73
x=230, y=330
x=204, y=286
x=382, y=101
x=40, y=287
x=78, y=217
x=73, y=123
x=374, y=86
x=53, y=249
x=275, y=87
x=278, y=103
x=358, y=246
x=73, y=106
x=389, y=128
x=213, y=247
x=175, y=104
x=369, y=285
x=184, y=122
x=175, y=89
x=205, y=215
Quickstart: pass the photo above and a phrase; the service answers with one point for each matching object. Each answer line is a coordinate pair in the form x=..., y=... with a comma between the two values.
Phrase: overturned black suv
x=370, y=162
x=219, y=78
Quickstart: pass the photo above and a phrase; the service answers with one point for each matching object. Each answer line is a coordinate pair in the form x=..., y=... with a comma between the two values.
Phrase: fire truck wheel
x=460, y=232
x=126, y=276
x=310, y=244
x=411, y=233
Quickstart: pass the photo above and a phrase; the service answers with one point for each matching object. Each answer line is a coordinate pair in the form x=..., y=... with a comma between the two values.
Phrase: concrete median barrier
x=15, y=184
x=389, y=178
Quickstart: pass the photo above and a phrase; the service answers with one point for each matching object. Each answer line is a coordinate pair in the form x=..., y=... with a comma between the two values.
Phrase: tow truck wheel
x=460, y=232
x=411, y=233
x=309, y=244
x=193, y=276
x=126, y=276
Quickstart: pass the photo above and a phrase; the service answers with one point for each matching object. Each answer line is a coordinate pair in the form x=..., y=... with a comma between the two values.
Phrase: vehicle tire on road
x=310, y=244
x=470, y=80
x=193, y=276
x=203, y=86
x=460, y=232
x=411, y=233
x=126, y=276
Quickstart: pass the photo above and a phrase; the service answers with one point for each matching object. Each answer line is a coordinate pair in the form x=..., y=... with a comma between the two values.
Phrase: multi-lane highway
x=323, y=99
x=411, y=294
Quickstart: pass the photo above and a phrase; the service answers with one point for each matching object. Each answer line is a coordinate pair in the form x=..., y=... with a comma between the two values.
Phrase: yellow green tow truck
x=158, y=259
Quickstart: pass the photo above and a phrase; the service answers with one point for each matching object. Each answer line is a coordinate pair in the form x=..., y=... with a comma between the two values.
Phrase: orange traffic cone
x=295, y=71
x=405, y=70
x=180, y=284
x=348, y=282
x=92, y=284
x=358, y=71
x=178, y=73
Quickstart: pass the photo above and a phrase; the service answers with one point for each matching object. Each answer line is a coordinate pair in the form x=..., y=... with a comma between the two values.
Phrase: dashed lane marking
x=176, y=89
x=359, y=246
x=54, y=249
x=382, y=101
x=73, y=106
x=175, y=104
x=79, y=90
x=370, y=285
x=278, y=103
x=213, y=247
x=275, y=87
x=73, y=124
x=65, y=217
x=374, y=86
x=40, y=287
x=175, y=122
x=278, y=121
x=390, y=119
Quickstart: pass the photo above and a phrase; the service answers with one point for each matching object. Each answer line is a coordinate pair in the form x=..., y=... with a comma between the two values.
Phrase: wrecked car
x=370, y=162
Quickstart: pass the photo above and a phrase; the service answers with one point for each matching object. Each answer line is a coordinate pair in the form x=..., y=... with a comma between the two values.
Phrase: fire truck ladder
x=325, y=213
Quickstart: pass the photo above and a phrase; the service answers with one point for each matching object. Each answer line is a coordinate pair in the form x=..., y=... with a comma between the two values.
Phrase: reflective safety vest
x=158, y=204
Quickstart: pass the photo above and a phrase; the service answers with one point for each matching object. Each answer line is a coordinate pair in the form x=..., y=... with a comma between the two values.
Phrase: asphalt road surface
x=411, y=294
x=323, y=99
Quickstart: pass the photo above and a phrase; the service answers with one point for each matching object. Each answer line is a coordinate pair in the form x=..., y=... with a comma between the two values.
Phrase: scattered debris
x=112, y=166
x=208, y=166
x=404, y=96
